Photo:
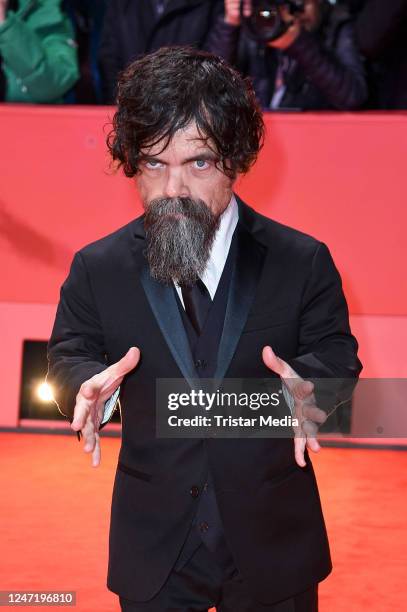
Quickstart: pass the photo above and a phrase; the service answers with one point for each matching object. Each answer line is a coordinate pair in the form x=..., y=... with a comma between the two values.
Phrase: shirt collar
x=220, y=247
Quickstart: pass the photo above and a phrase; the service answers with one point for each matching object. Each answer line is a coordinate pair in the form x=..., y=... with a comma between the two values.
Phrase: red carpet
x=55, y=511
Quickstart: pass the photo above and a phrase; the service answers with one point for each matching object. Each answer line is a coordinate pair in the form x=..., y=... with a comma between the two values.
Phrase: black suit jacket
x=285, y=291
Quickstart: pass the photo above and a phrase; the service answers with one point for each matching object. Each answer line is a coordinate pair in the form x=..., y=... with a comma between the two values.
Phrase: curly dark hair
x=164, y=91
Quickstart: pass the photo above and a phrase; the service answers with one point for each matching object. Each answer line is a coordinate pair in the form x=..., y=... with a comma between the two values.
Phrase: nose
x=175, y=185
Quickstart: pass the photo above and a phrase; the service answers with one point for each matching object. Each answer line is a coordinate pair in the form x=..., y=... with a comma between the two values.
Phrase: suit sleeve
x=76, y=349
x=326, y=347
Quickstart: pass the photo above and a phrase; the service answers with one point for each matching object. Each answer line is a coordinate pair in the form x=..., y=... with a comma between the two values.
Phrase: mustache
x=194, y=209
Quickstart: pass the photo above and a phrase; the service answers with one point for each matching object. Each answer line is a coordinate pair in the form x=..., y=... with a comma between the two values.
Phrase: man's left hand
x=305, y=408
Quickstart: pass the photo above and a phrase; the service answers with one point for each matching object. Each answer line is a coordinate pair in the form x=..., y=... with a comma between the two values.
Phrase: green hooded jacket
x=39, y=54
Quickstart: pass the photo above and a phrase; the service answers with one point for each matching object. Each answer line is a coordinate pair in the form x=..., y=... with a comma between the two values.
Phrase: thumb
x=128, y=362
x=273, y=362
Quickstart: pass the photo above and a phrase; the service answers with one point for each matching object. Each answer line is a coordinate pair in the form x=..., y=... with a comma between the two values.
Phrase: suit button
x=203, y=527
x=194, y=491
x=200, y=363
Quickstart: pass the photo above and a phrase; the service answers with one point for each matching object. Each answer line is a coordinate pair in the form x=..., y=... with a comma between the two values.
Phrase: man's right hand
x=90, y=400
x=232, y=11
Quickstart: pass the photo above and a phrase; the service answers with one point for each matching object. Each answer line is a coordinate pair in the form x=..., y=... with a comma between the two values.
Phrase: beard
x=180, y=233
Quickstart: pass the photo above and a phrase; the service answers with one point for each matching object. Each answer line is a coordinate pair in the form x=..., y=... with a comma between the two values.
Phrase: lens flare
x=44, y=392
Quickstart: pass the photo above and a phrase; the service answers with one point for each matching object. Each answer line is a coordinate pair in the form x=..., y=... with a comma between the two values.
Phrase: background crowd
x=339, y=55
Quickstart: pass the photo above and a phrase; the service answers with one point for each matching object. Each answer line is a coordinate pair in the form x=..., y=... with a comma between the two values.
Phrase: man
x=314, y=65
x=201, y=286
x=131, y=29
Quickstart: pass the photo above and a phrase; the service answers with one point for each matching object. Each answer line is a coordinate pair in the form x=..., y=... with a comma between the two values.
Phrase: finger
x=302, y=389
x=90, y=389
x=102, y=385
x=247, y=8
x=81, y=412
x=286, y=14
x=84, y=406
x=106, y=384
x=310, y=430
x=96, y=454
x=313, y=413
x=288, y=17
x=276, y=364
x=89, y=438
x=109, y=388
x=126, y=363
x=99, y=413
x=93, y=422
x=313, y=444
x=299, y=448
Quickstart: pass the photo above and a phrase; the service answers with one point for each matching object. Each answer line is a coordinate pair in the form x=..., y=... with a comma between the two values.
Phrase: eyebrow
x=206, y=156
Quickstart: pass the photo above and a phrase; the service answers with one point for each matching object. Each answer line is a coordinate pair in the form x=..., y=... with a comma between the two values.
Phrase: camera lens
x=265, y=22
x=266, y=18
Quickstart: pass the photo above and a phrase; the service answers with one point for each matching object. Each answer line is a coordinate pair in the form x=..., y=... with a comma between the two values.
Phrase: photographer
x=132, y=29
x=313, y=64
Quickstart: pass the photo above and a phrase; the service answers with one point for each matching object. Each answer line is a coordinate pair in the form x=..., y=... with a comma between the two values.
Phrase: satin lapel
x=164, y=306
x=249, y=261
x=250, y=255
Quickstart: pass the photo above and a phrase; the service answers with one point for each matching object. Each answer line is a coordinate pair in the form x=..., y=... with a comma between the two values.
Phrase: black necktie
x=197, y=302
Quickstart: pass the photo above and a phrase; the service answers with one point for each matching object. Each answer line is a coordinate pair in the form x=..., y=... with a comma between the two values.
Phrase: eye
x=201, y=164
x=152, y=164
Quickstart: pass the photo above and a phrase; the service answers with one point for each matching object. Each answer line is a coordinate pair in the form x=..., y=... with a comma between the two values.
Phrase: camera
x=265, y=23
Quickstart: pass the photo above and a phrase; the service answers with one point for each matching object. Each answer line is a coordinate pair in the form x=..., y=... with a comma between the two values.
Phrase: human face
x=311, y=17
x=186, y=168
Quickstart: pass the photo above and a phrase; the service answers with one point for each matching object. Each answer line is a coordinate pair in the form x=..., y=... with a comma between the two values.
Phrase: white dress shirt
x=220, y=249
x=210, y=276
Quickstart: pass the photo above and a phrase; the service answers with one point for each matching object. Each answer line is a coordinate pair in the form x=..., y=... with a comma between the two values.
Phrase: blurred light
x=44, y=392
